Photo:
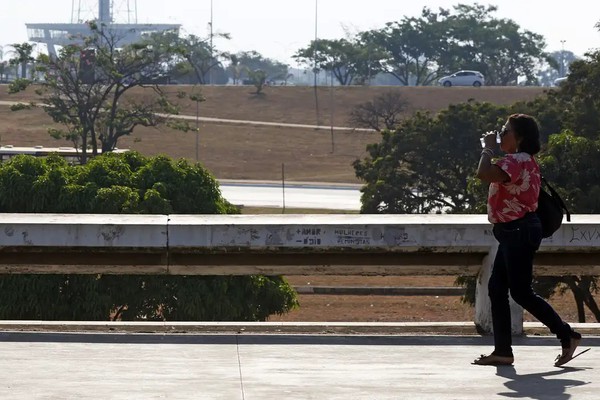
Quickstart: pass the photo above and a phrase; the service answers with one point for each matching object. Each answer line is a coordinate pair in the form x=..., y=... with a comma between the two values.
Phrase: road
x=297, y=195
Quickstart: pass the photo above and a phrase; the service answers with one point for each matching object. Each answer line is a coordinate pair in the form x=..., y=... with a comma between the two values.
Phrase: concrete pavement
x=44, y=365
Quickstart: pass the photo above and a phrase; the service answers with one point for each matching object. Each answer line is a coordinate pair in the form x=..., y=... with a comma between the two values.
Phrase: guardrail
x=280, y=245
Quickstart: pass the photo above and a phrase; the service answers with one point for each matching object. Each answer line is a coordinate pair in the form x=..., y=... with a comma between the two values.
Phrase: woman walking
x=512, y=201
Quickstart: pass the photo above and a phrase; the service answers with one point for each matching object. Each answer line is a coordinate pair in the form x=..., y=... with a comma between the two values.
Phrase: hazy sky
x=277, y=28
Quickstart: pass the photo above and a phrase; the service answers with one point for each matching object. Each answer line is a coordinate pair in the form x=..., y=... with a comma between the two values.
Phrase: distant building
x=54, y=35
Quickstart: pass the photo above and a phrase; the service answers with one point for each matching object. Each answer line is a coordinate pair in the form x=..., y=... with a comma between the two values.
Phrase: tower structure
x=55, y=35
x=104, y=14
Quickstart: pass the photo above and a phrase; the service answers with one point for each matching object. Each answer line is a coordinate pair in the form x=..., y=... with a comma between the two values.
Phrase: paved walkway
x=38, y=365
x=237, y=121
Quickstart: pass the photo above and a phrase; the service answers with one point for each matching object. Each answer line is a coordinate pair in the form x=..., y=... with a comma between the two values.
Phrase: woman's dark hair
x=527, y=132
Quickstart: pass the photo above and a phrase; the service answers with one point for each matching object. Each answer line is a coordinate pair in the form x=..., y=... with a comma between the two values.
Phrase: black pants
x=512, y=271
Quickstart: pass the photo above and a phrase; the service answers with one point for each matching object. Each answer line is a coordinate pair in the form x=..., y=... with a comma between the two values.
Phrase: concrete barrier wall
x=386, y=232
x=455, y=233
x=283, y=245
x=83, y=231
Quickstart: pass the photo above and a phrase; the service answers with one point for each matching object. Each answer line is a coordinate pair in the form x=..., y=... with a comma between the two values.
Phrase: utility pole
x=210, y=72
x=196, y=96
x=315, y=62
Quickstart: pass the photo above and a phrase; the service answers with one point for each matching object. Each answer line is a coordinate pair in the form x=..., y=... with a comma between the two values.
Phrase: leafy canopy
x=127, y=183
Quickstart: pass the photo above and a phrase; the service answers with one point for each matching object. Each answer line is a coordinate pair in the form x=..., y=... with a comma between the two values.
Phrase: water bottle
x=498, y=138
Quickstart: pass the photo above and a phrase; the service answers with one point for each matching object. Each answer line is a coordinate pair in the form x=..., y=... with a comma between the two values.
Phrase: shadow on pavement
x=542, y=385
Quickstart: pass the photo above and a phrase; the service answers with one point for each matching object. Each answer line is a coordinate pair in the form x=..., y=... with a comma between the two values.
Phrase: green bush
x=127, y=183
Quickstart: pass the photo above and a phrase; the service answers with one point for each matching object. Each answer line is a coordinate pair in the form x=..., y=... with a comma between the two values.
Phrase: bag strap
x=555, y=195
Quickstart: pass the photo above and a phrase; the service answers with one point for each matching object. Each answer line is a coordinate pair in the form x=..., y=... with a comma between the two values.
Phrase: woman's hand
x=486, y=171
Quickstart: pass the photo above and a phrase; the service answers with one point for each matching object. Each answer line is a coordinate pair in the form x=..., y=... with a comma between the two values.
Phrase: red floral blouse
x=508, y=201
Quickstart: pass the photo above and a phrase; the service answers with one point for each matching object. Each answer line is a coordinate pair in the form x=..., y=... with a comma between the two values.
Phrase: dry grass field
x=236, y=151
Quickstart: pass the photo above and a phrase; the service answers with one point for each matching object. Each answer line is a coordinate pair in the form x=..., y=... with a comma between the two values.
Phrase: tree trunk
x=578, y=296
x=585, y=284
x=84, y=154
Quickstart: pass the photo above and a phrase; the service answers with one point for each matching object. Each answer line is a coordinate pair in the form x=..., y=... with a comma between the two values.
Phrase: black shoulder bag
x=550, y=209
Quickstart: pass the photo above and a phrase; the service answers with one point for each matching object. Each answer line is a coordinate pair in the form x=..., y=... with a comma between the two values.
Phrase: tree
x=499, y=48
x=578, y=98
x=127, y=183
x=383, y=112
x=572, y=162
x=557, y=66
x=96, y=113
x=418, y=50
x=235, y=68
x=409, y=47
x=423, y=167
x=347, y=60
x=23, y=56
x=258, y=78
x=200, y=56
x=551, y=70
x=243, y=65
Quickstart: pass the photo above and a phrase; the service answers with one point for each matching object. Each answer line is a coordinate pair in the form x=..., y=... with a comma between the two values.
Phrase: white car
x=463, y=78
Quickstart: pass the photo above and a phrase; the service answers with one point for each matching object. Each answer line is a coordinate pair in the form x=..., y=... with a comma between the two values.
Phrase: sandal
x=493, y=359
x=569, y=350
